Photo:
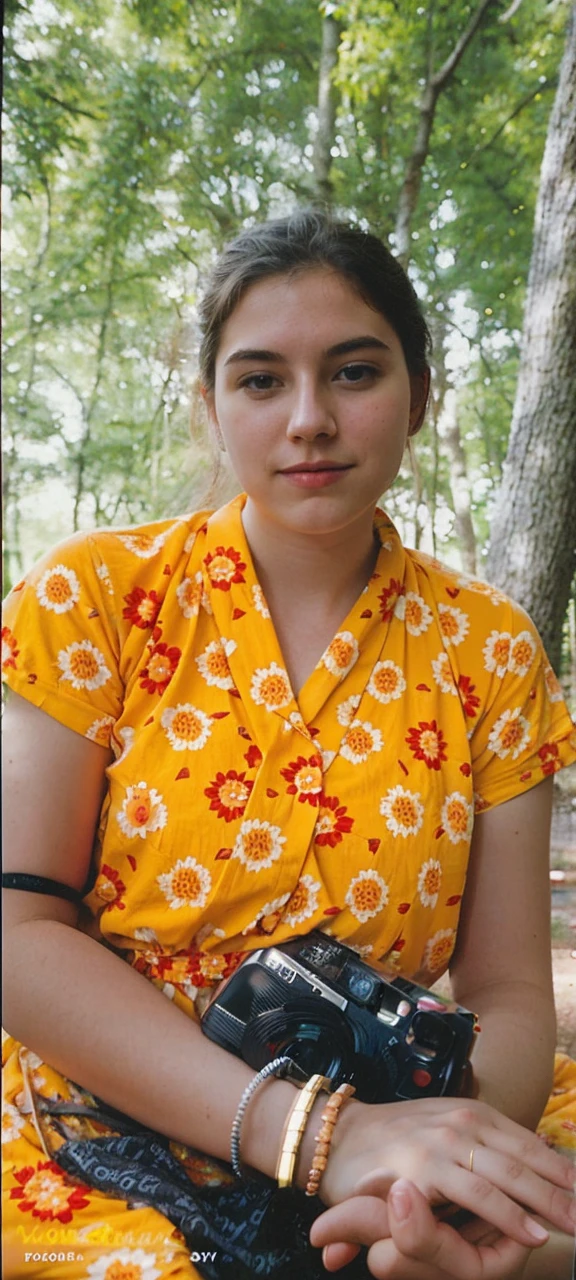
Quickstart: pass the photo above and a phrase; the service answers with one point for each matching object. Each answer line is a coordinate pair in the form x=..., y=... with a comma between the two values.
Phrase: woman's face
x=312, y=401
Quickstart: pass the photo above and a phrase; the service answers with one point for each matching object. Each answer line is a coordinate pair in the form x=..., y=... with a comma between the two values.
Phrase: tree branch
x=441, y=78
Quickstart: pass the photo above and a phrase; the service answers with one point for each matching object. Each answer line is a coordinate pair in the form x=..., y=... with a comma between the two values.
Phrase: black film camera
x=315, y=1001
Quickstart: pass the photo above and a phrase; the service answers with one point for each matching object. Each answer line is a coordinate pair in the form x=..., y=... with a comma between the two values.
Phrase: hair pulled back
x=304, y=240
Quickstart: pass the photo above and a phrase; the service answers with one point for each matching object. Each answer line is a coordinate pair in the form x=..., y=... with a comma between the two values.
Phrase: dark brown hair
x=306, y=239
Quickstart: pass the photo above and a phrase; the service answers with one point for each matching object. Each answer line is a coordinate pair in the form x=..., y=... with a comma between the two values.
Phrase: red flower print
x=46, y=1193
x=229, y=794
x=225, y=566
x=305, y=778
x=428, y=743
x=470, y=700
x=109, y=888
x=333, y=822
x=253, y=756
x=162, y=663
x=9, y=650
x=142, y=608
x=549, y=755
x=389, y=597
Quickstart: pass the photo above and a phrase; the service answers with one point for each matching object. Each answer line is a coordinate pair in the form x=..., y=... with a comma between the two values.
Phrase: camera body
x=315, y=1001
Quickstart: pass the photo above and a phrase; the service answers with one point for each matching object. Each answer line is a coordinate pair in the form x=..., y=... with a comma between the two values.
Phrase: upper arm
x=53, y=787
x=504, y=930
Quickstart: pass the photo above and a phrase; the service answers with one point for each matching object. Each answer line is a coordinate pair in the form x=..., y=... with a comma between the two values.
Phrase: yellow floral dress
x=238, y=814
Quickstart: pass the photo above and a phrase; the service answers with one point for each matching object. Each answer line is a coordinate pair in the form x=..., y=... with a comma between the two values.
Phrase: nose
x=310, y=415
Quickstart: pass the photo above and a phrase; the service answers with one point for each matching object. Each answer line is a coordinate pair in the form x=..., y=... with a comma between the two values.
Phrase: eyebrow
x=362, y=343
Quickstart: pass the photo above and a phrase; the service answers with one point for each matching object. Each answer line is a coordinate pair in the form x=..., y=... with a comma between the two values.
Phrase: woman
x=303, y=718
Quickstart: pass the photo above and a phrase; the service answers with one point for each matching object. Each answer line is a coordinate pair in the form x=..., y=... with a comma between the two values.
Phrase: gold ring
x=471, y=1160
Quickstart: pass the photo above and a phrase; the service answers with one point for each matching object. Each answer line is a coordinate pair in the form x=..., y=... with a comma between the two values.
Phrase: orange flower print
x=10, y=650
x=191, y=594
x=341, y=654
x=188, y=884
x=142, y=608
x=438, y=950
x=268, y=917
x=386, y=682
x=550, y=757
x=109, y=888
x=224, y=566
x=368, y=893
x=45, y=1192
x=213, y=663
x=229, y=794
x=333, y=822
x=427, y=743
x=389, y=597
x=258, y=845
x=359, y=741
x=429, y=881
x=303, y=902
x=142, y=811
x=454, y=624
x=482, y=588
x=497, y=652
x=470, y=700
x=100, y=731
x=304, y=778
x=457, y=818
x=553, y=686
x=58, y=589
x=523, y=651
x=510, y=735
x=270, y=687
x=442, y=673
x=186, y=727
x=125, y=1264
x=83, y=666
x=144, y=545
x=414, y=612
x=403, y=810
x=161, y=665
x=346, y=711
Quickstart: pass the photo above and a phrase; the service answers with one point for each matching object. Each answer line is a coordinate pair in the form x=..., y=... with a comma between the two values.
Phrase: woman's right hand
x=433, y=1142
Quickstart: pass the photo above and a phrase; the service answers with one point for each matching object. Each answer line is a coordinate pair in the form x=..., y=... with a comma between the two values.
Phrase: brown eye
x=357, y=373
x=259, y=382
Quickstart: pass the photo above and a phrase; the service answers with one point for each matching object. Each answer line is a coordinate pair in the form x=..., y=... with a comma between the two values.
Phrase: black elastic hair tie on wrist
x=40, y=884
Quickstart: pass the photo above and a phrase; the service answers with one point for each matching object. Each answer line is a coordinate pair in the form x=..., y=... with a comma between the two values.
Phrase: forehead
x=313, y=306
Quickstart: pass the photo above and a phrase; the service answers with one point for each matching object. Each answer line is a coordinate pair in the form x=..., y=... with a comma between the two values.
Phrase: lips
x=304, y=467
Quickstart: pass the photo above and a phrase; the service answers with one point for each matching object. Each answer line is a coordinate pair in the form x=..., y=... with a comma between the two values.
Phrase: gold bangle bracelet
x=295, y=1126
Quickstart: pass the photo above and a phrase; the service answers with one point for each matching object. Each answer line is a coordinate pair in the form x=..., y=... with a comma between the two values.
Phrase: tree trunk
x=449, y=431
x=533, y=533
x=324, y=140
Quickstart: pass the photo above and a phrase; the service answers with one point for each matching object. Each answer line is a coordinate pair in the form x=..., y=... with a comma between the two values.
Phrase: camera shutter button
x=421, y=1077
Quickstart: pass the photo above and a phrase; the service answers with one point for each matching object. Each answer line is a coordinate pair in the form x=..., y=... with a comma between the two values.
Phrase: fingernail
x=535, y=1230
x=401, y=1199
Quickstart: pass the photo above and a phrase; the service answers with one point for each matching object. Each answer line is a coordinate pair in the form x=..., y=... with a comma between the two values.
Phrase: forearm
x=514, y=1054
x=102, y=1024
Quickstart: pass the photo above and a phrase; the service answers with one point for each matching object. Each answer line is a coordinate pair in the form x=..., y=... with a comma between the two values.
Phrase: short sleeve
x=60, y=641
x=524, y=732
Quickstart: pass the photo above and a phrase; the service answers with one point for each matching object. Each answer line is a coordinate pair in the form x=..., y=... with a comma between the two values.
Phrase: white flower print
x=267, y=910
x=144, y=545
x=414, y=612
x=186, y=727
x=510, y=734
x=260, y=601
x=345, y=711
x=213, y=663
x=429, y=881
x=191, y=594
x=438, y=950
x=482, y=588
x=553, y=686
x=403, y=810
x=125, y=1264
x=126, y=738
x=442, y=673
x=497, y=652
x=58, y=589
x=187, y=884
x=523, y=650
x=189, y=543
x=270, y=687
x=454, y=624
x=360, y=739
x=303, y=902
x=386, y=682
x=341, y=654
x=12, y=1123
x=83, y=666
x=142, y=811
x=103, y=573
x=457, y=817
x=258, y=844
x=100, y=730
x=367, y=894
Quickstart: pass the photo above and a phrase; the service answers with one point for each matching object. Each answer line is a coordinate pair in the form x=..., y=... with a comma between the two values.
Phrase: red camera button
x=429, y=1003
x=421, y=1077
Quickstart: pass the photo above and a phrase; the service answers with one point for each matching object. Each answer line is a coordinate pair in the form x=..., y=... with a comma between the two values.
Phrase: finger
x=514, y=1140
x=484, y=1199
x=335, y=1256
x=359, y=1220
x=421, y=1248
x=525, y=1187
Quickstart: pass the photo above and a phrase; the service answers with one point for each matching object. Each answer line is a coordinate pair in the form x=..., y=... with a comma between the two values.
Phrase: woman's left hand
x=406, y=1241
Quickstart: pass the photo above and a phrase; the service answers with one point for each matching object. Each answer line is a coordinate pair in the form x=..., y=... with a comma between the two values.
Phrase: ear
x=210, y=403
x=419, y=392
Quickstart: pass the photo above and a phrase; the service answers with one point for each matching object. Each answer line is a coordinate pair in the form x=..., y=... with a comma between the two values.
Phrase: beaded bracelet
x=278, y=1068
x=294, y=1127
x=323, y=1138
